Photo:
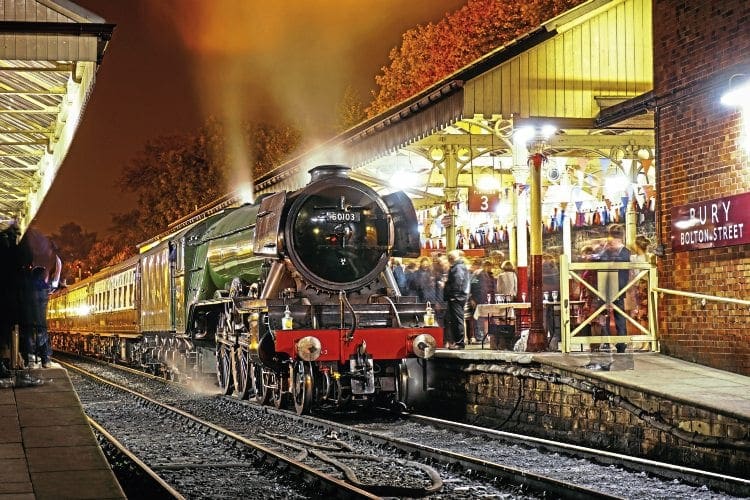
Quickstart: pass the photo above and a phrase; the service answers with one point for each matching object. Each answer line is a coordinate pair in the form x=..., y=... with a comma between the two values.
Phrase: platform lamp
x=738, y=96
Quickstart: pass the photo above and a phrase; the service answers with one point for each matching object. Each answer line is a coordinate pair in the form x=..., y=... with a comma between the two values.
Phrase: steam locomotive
x=289, y=298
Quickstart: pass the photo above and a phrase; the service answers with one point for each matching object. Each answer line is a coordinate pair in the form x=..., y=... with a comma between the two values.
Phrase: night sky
x=172, y=63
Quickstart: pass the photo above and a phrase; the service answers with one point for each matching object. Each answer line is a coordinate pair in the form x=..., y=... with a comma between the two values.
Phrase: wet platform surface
x=47, y=448
x=655, y=373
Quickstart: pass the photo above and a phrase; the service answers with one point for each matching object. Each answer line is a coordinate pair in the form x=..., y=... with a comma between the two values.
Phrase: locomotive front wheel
x=224, y=377
x=302, y=387
x=241, y=372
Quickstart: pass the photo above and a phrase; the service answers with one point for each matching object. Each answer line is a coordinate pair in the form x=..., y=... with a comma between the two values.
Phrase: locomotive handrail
x=395, y=310
x=702, y=296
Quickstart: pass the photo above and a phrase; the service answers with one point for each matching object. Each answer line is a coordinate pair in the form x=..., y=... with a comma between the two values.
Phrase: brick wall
x=698, y=46
x=484, y=395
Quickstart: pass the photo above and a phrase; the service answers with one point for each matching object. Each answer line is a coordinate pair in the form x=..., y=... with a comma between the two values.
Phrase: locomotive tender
x=287, y=298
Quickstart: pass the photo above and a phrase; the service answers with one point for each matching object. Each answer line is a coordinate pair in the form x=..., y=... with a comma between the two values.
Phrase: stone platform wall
x=557, y=404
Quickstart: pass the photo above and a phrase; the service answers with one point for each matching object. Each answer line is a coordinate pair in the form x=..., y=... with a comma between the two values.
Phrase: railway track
x=197, y=458
x=471, y=461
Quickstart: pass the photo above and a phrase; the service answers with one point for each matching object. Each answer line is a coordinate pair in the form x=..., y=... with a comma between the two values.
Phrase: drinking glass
x=554, y=296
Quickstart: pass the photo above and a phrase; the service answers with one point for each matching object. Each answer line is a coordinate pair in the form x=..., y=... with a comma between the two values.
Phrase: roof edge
x=72, y=10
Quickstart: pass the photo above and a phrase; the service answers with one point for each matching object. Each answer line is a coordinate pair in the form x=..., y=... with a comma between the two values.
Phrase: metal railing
x=605, y=297
x=703, y=297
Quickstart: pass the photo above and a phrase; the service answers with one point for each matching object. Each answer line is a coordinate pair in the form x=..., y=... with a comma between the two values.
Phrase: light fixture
x=523, y=134
x=738, y=95
x=406, y=179
x=548, y=130
x=487, y=182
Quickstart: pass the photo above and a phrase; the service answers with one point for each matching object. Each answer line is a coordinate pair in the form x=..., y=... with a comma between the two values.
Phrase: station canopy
x=587, y=72
x=49, y=56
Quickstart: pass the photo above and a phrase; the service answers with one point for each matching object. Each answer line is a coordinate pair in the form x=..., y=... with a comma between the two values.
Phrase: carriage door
x=177, y=280
x=406, y=240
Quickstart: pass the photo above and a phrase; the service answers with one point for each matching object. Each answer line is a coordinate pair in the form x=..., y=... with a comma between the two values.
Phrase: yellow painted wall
x=604, y=53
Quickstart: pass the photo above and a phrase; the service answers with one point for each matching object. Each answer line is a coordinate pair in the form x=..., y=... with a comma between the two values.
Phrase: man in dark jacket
x=36, y=337
x=456, y=293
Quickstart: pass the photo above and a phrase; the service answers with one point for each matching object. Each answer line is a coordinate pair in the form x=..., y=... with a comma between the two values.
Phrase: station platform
x=47, y=448
x=649, y=372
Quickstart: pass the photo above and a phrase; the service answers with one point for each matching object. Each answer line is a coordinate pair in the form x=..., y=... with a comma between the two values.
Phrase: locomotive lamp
x=309, y=348
x=424, y=346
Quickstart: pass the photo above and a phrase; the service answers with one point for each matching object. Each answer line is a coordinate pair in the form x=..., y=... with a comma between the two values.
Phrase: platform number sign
x=483, y=201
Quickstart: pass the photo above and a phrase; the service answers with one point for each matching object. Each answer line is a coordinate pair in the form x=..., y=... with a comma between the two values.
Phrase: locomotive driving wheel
x=303, y=385
x=241, y=372
x=224, y=377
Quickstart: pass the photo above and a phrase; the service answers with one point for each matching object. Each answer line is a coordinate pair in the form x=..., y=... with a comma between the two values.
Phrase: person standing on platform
x=411, y=286
x=483, y=287
x=424, y=281
x=507, y=281
x=37, y=341
x=638, y=294
x=440, y=269
x=455, y=294
x=399, y=274
x=589, y=299
x=611, y=282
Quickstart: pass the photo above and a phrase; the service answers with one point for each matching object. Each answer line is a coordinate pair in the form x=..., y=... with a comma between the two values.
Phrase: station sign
x=483, y=201
x=711, y=224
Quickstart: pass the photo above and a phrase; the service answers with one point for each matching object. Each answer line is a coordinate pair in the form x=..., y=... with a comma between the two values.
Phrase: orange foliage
x=430, y=53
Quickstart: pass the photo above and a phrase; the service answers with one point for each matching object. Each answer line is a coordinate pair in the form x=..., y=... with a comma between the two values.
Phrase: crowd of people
x=454, y=287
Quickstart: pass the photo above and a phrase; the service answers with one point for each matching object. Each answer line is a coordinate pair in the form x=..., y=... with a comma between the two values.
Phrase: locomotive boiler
x=289, y=299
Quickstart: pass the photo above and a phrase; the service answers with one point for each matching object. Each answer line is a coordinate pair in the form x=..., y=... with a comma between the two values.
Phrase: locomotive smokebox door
x=268, y=225
x=406, y=242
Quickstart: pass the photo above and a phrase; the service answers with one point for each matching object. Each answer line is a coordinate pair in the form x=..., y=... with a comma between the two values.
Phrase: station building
x=702, y=103
x=621, y=101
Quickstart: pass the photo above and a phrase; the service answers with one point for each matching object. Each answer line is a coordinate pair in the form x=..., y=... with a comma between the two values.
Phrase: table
x=502, y=311
x=498, y=309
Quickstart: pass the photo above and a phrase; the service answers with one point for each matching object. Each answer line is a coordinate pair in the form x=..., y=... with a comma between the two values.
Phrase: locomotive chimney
x=325, y=171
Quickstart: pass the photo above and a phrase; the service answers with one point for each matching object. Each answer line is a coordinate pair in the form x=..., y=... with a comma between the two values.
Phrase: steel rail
x=340, y=486
x=536, y=482
x=721, y=482
x=169, y=490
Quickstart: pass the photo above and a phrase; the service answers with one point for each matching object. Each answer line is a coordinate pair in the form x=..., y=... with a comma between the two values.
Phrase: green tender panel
x=230, y=248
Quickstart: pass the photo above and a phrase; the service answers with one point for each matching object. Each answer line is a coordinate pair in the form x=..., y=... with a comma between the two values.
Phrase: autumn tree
x=351, y=110
x=73, y=246
x=429, y=53
x=174, y=175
